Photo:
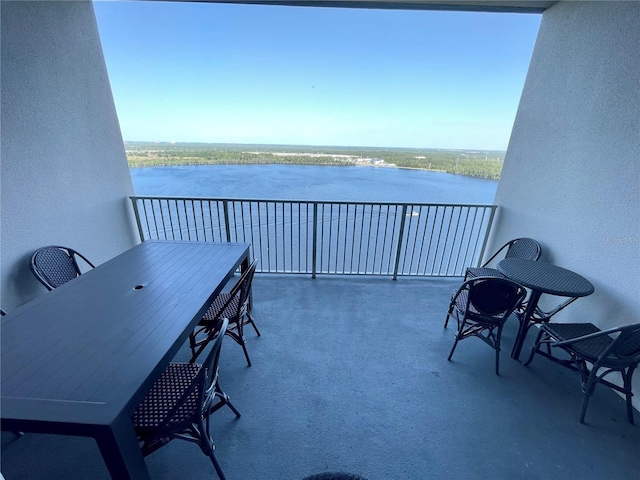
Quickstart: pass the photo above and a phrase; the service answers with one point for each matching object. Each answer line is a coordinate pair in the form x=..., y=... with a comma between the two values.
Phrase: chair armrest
x=582, y=338
x=85, y=259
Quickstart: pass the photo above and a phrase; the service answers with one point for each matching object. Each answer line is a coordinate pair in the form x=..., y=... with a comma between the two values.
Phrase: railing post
x=225, y=207
x=134, y=202
x=315, y=240
x=400, y=236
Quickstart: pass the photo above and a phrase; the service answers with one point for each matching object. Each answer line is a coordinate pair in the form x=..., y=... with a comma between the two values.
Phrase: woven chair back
x=494, y=297
x=525, y=248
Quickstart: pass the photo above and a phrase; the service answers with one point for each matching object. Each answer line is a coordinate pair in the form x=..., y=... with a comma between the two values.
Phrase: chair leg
x=246, y=354
x=589, y=380
x=216, y=465
x=627, y=377
x=224, y=400
x=446, y=320
x=457, y=339
x=207, y=446
x=253, y=323
x=534, y=348
x=497, y=348
x=585, y=401
x=238, y=337
x=453, y=348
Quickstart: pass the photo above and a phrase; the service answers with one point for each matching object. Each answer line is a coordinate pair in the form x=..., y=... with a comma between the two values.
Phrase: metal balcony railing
x=319, y=237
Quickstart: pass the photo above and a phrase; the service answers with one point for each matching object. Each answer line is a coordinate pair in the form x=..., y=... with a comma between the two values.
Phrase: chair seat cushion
x=590, y=349
x=213, y=313
x=165, y=394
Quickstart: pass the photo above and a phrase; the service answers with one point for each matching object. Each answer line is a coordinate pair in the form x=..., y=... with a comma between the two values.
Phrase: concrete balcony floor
x=351, y=374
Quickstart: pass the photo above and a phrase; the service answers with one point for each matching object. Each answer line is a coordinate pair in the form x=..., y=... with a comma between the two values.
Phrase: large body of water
x=310, y=182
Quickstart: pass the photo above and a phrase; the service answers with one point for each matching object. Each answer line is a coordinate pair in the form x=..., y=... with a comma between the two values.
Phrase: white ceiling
x=523, y=6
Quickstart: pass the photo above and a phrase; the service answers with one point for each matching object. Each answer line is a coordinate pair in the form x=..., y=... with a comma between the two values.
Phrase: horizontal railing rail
x=327, y=237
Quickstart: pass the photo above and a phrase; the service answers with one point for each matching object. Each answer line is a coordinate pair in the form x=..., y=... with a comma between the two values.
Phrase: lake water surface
x=310, y=182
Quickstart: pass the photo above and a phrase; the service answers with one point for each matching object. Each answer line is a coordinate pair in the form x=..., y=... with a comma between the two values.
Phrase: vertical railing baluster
x=244, y=225
x=486, y=235
x=462, y=242
x=155, y=221
x=471, y=233
x=455, y=235
x=134, y=202
x=164, y=226
x=281, y=243
x=268, y=238
x=393, y=232
x=146, y=217
x=399, y=244
x=314, y=252
x=225, y=209
x=424, y=234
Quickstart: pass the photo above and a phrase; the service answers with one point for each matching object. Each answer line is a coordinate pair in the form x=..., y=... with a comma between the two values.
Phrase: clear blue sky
x=194, y=72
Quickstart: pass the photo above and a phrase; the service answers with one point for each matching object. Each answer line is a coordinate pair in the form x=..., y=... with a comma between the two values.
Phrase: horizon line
x=171, y=142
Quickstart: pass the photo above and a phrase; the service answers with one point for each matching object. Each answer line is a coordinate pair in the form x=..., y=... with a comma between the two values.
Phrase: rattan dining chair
x=54, y=265
x=593, y=354
x=526, y=248
x=234, y=305
x=180, y=403
x=481, y=306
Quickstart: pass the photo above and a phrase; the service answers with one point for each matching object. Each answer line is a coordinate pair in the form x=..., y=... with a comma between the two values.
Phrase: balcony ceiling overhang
x=513, y=6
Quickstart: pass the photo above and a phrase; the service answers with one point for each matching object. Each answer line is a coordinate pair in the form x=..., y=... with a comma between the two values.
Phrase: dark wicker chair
x=526, y=248
x=180, y=403
x=54, y=265
x=234, y=305
x=481, y=307
x=594, y=354
x=539, y=316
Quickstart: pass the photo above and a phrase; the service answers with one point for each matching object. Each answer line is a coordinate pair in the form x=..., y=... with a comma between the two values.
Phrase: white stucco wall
x=64, y=177
x=572, y=171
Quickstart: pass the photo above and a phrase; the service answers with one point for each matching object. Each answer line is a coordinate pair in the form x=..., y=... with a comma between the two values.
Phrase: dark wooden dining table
x=79, y=359
x=541, y=278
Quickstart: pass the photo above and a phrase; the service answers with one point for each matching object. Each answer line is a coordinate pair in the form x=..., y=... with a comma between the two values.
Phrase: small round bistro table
x=541, y=277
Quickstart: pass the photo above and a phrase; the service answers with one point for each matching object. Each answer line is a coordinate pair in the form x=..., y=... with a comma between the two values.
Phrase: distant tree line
x=480, y=164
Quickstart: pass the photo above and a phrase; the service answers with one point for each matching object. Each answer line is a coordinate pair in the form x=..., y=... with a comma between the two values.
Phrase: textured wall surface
x=64, y=177
x=572, y=172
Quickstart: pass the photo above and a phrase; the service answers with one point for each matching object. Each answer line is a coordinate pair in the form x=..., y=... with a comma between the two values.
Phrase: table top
x=91, y=349
x=545, y=277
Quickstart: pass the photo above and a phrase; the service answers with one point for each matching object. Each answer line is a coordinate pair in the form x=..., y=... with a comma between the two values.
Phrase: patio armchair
x=54, y=265
x=593, y=354
x=234, y=305
x=180, y=403
x=481, y=306
x=526, y=248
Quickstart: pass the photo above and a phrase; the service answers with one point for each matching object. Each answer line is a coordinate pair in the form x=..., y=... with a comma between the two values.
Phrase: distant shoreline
x=458, y=162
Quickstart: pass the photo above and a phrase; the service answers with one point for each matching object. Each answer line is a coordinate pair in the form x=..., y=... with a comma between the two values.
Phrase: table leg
x=121, y=452
x=244, y=266
x=524, y=323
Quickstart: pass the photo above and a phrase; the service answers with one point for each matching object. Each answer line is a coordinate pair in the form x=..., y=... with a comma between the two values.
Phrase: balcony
x=350, y=374
x=409, y=413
